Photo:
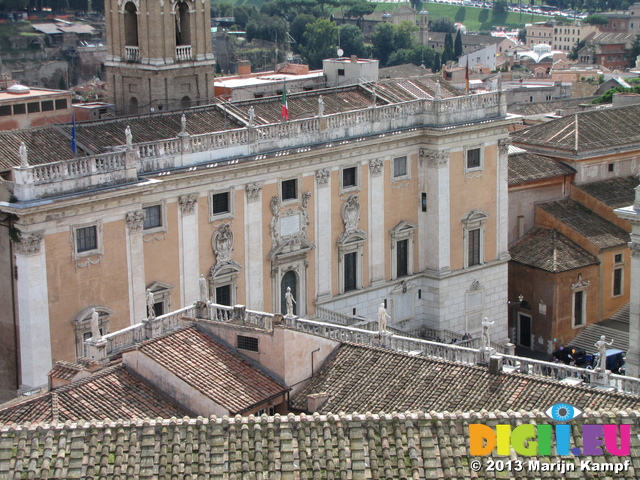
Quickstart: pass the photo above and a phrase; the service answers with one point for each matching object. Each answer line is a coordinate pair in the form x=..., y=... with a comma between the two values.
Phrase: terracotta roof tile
x=593, y=227
x=363, y=379
x=583, y=132
x=551, y=251
x=527, y=167
x=550, y=107
x=66, y=370
x=614, y=192
x=230, y=380
x=113, y=392
x=44, y=145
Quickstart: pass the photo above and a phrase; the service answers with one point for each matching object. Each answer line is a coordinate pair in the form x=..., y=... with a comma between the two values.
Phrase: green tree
x=266, y=28
x=382, y=39
x=448, y=48
x=437, y=64
x=298, y=27
x=573, y=54
x=320, y=39
x=405, y=35
x=400, y=57
x=443, y=25
x=358, y=9
x=500, y=7
x=634, y=51
x=457, y=46
x=595, y=20
x=522, y=35
x=352, y=40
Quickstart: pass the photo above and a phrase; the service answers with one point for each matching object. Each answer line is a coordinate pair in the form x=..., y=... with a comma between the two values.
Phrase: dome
x=18, y=89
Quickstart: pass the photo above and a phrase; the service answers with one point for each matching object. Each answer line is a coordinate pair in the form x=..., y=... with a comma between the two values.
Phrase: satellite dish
x=340, y=52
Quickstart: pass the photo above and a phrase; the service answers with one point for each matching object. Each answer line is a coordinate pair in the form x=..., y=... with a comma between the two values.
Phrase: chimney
x=244, y=67
x=495, y=364
x=354, y=59
x=316, y=401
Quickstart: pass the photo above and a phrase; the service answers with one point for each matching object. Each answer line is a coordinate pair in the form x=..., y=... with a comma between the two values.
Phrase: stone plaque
x=289, y=224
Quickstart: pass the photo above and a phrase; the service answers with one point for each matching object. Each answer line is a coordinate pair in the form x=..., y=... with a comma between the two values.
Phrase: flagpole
x=73, y=132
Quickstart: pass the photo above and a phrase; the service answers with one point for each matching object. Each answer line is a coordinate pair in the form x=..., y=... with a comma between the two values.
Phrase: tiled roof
x=540, y=108
x=66, y=370
x=113, y=392
x=44, y=145
x=585, y=131
x=412, y=445
x=614, y=192
x=593, y=227
x=467, y=40
x=527, y=167
x=368, y=379
x=402, y=71
x=611, y=38
x=402, y=90
x=551, y=251
x=213, y=369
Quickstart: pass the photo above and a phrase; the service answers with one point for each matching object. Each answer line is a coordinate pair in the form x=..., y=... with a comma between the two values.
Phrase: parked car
x=570, y=355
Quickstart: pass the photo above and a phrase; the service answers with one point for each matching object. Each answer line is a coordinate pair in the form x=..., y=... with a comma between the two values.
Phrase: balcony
x=183, y=53
x=132, y=54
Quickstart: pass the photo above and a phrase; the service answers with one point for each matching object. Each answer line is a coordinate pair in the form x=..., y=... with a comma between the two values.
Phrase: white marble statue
x=602, y=351
x=486, y=339
x=382, y=318
x=95, y=325
x=252, y=115
x=150, y=311
x=289, y=300
x=183, y=124
x=24, y=161
x=203, y=289
x=128, y=136
x=320, y=106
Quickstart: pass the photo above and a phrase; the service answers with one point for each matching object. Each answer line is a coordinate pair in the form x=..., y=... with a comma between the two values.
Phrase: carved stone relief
x=188, y=203
x=434, y=158
x=289, y=228
x=253, y=191
x=322, y=177
x=375, y=166
x=222, y=245
x=135, y=221
x=30, y=243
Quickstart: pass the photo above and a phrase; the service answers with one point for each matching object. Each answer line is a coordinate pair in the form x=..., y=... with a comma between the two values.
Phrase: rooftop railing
x=228, y=146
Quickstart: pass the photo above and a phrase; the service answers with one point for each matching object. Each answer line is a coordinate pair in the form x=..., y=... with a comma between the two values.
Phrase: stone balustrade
x=183, y=53
x=335, y=317
x=132, y=54
x=228, y=147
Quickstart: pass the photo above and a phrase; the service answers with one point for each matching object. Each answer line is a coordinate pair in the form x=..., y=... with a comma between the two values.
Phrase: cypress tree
x=457, y=48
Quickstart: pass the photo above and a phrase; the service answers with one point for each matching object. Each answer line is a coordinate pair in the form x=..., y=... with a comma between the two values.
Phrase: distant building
x=402, y=14
x=24, y=107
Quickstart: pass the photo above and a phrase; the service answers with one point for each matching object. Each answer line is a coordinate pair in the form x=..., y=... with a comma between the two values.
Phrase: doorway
x=524, y=330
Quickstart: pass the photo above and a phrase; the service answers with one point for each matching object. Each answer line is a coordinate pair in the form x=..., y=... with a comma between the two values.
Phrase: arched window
x=185, y=102
x=82, y=326
x=133, y=105
x=130, y=25
x=183, y=29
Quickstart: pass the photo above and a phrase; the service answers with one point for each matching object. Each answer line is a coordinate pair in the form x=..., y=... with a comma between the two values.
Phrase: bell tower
x=159, y=54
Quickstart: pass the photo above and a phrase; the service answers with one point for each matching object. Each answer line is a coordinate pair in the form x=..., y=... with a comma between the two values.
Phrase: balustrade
x=183, y=53
x=132, y=54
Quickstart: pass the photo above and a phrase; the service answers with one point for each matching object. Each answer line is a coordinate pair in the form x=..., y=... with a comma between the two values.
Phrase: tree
x=436, y=63
x=405, y=35
x=443, y=25
x=457, y=46
x=448, y=48
x=266, y=28
x=573, y=54
x=522, y=35
x=352, y=40
x=416, y=4
x=298, y=27
x=382, y=39
x=634, y=51
x=320, y=39
x=358, y=9
x=595, y=20
x=500, y=7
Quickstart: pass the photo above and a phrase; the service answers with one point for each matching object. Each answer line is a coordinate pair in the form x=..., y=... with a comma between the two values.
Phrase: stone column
x=377, y=232
x=33, y=310
x=502, y=207
x=632, y=358
x=189, y=250
x=254, y=255
x=324, y=246
x=435, y=245
x=135, y=265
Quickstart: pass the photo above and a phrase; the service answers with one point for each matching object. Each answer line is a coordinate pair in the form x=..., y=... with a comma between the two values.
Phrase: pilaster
x=135, y=265
x=502, y=207
x=436, y=242
x=377, y=231
x=254, y=273
x=324, y=250
x=189, y=249
x=632, y=358
x=33, y=310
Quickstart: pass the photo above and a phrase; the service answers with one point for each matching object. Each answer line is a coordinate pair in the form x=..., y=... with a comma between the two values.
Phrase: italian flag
x=285, y=104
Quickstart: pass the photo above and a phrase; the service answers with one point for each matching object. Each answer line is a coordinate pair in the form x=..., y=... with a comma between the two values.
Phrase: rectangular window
x=220, y=203
x=247, y=343
x=611, y=167
x=158, y=308
x=399, y=167
x=223, y=295
x=349, y=178
x=47, y=105
x=290, y=189
x=153, y=217
x=33, y=107
x=424, y=201
x=402, y=258
x=578, y=308
x=618, y=258
x=617, y=282
x=350, y=271
x=19, y=109
x=86, y=239
x=341, y=72
x=5, y=110
x=61, y=104
x=474, y=247
x=473, y=158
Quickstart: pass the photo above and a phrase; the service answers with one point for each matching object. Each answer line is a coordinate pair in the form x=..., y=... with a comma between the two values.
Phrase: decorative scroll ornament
x=289, y=228
x=375, y=166
x=434, y=158
x=322, y=177
x=29, y=243
x=503, y=146
x=135, y=221
x=253, y=191
x=188, y=203
x=222, y=244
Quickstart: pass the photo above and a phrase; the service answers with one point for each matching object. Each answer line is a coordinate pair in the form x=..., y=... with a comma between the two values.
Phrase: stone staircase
x=616, y=328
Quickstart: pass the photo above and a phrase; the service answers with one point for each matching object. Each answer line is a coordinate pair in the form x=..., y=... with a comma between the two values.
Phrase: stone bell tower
x=159, y=54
